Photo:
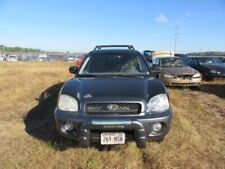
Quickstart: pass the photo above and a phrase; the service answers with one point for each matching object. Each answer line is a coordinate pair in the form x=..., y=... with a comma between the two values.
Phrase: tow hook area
x=85, y=129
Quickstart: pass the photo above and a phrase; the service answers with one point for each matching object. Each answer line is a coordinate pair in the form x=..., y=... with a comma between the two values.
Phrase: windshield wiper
x=86, y=75
x=112, y=75
x=132, y=75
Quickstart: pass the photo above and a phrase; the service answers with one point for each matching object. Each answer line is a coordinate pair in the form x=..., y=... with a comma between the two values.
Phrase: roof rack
x=99, y=47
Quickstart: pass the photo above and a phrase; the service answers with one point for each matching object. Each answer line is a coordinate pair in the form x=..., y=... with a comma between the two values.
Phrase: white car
x=71, y=59
x=1, y=58
x=11, y=58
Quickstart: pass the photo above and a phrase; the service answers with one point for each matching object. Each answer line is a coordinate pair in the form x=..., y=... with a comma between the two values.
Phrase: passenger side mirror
x=73, y=69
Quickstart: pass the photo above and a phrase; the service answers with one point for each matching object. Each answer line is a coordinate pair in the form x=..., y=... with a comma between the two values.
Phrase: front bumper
x=87, y=129
x=181, y=82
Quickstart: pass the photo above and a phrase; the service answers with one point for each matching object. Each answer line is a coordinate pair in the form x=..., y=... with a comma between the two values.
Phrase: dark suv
x=113, y=98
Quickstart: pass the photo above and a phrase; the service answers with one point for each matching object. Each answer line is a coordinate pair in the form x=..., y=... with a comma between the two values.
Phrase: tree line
x=6, y=49
x=207, y=53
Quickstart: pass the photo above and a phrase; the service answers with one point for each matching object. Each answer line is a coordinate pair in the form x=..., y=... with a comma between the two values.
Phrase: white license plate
x=112, y=138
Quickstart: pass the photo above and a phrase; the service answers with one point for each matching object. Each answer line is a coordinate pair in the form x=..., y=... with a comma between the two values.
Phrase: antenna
x=176, y=37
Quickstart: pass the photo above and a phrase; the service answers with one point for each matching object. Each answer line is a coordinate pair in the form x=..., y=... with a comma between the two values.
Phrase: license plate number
x=112, y=138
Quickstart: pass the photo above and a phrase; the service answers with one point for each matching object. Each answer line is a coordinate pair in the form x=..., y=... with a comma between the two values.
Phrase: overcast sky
x=79, y=25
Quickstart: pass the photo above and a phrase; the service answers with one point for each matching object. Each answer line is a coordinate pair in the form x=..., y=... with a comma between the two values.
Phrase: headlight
x=158, y=103
x=214, y=72
x=67, y=103
x=168, y=76
x=196, y=75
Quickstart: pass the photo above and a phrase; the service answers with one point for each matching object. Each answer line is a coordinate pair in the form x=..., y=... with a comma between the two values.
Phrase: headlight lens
x=158, y=103
x=168, y=76
x=196, y=75
x=67, y=103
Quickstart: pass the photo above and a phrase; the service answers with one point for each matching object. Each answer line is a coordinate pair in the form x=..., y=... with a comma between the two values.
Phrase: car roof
x=202, y=56
x=114, y=51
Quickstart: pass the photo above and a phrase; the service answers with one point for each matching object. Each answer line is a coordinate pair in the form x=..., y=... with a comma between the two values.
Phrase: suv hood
x=87, y=88
x=185, y=70
x=104, y=87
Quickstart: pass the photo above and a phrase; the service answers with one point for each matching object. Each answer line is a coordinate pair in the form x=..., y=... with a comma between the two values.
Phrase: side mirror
x=155, y=70
x=73, y=69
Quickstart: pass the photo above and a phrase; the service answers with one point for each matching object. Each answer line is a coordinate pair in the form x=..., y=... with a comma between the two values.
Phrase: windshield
x=114, y=64
x=209, y=60
x=171, y=62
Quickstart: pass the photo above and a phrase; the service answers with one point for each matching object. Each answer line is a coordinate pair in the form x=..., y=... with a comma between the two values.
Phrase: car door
x=196, y=65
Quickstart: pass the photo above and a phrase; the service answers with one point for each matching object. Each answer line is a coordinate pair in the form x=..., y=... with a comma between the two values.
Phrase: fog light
x=67, y=127
x=157, y=126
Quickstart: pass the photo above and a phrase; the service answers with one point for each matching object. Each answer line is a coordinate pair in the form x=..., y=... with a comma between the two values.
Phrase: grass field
x=28, y=138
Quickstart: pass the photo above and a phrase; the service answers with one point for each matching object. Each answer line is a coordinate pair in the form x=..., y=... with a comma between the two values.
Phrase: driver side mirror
x=73, y=69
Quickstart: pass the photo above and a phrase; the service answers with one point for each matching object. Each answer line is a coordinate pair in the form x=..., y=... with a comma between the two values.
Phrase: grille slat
x=184, y=76
x=113, y=108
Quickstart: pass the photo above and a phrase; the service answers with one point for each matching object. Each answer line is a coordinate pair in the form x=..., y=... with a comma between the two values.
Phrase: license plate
x=112, y=138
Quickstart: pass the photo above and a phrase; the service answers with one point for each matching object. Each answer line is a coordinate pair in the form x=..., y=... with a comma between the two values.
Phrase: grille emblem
x=87, y=96
x=113, y=107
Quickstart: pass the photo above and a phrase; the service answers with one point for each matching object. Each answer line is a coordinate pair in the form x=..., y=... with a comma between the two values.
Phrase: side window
x=188, y=61
x=194, y=62
x=153, y=62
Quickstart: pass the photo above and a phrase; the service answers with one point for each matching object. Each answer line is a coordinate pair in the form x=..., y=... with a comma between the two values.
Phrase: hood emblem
x=113, y=107
x=87, y=96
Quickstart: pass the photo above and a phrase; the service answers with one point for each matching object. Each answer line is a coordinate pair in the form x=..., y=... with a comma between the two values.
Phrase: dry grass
x=196, y=138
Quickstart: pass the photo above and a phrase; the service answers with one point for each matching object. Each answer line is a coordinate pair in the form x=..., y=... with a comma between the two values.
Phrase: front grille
x=113, y=108
x=184, y=76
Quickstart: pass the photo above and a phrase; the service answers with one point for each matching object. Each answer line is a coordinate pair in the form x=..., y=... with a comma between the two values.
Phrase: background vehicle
x=11, y=58
x=113, y=98
x=150, y=55
x=209, y=67
x=222, y=59
x=78, y=61
x=162, y=53
x=42, y=57
x=182, y=56
x=71, y=58
x=172, y=72
x=2, y=58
